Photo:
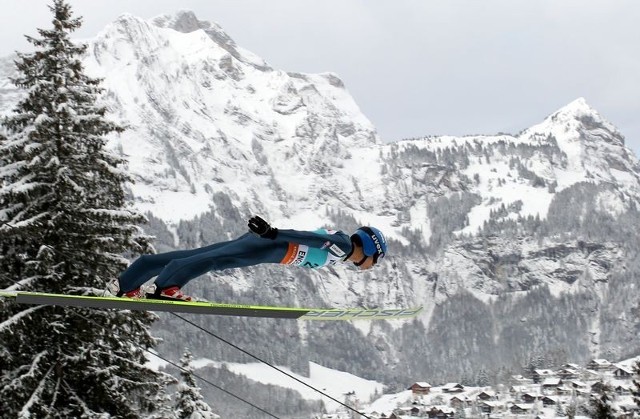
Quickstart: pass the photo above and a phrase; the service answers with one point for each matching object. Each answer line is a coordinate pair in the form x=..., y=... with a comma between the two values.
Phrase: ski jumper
x=308, y=249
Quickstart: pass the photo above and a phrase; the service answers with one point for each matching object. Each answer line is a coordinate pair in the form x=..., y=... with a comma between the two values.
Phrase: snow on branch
x=25, y=411
x=14, y=319
x=22, y=284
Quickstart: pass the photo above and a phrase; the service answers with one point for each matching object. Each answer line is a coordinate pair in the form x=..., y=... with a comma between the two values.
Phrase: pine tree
x=482, y=378
x=65, y=227
x=572, y=409
x=600, y=406
x=189, y=403
x=164, y=406
x=636, y=383
x=460, y=413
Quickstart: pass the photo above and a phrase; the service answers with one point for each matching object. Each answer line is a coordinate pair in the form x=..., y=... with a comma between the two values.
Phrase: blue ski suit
x=308, y=249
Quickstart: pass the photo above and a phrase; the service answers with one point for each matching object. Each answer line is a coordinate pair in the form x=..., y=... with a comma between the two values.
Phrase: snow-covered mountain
x=207, y=116
x=520, y=247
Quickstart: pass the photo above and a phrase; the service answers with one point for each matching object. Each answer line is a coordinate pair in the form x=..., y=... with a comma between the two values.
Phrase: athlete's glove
x=262, y=228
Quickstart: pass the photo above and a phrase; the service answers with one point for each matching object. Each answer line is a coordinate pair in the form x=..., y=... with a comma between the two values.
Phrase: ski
x=201, y=307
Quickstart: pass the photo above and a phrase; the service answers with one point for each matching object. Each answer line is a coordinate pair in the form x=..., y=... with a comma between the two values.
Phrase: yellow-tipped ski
x=209, y=308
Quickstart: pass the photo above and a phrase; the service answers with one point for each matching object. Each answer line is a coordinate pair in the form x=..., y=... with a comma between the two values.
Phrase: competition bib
x=308, y=257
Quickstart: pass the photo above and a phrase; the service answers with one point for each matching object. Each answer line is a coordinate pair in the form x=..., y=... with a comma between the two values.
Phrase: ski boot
x=170, y=293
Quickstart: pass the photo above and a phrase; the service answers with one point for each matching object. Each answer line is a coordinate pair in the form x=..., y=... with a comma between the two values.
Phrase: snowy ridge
x=594, y=148
x=573, y=145
x=186, y=22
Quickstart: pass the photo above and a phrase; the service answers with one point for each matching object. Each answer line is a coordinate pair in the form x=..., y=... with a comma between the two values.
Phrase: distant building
x=575, y=384
x=489, y=407
x=382, y=415
x=520, y=409
x=622, y=372
x=571, y=366
x=590, y=375
x=600, y=365
x=406, y=411
x=540, y=375
x=486, y=396
x=529, y=397
x=460, y=402
x=453, y=388
x=623, y=390
x=440, y=412
x=568, y=373
x=551, y=385
x=517, y=390
x=520, y=380
x=420, y=388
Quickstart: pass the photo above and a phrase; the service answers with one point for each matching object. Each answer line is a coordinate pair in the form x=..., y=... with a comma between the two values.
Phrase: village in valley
x=564, y=392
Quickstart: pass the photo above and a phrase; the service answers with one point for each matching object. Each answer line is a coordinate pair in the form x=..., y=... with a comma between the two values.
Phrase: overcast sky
x=421, y=67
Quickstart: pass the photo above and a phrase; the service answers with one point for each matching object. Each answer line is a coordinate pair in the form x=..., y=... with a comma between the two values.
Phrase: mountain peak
x=594, y=149
x=578, y=109
x=186, y=21
x=579, y=104
x=125, y=20
x=572, y=120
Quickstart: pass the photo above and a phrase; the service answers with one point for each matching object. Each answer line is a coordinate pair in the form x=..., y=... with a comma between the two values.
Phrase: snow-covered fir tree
x=164, y=406
x=64, y=227
x=571, y=410
x=600, y=404
x=189, y=401
x=636, y=383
